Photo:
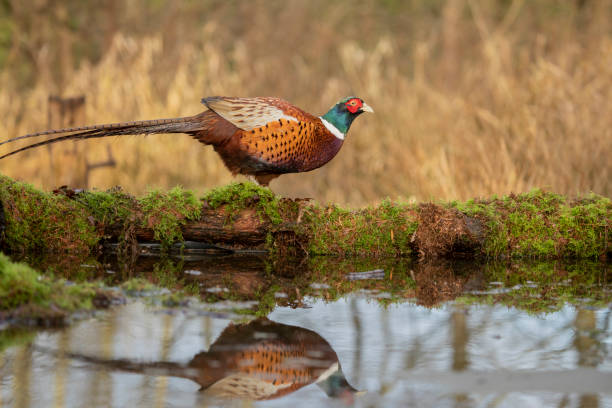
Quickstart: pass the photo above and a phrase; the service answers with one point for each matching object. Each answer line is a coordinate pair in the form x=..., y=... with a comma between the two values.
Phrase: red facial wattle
x=354, y=105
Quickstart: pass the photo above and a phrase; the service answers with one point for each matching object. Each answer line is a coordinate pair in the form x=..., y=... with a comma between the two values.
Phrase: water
x=364, y=352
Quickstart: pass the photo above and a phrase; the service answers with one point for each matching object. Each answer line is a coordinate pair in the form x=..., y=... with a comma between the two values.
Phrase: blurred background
x=472, y=97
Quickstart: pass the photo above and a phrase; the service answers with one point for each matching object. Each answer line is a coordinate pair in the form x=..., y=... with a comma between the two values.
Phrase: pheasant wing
x=251, y=113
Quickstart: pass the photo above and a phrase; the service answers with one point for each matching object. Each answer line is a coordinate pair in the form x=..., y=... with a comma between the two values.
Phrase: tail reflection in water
x=258, y=360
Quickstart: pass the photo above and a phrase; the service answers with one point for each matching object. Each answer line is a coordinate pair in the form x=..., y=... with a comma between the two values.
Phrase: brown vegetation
x=472, y=98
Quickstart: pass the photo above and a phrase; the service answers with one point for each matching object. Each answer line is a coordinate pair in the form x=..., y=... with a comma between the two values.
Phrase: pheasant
x=261, y=137
x=259, y=360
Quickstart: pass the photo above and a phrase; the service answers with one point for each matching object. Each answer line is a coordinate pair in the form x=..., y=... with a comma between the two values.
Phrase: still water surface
x=352, y=351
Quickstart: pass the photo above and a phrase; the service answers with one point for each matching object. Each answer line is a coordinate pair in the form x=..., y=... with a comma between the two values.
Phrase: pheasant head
x=342, y=115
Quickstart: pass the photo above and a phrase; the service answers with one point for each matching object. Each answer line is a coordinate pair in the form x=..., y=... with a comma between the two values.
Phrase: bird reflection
x=258, y=360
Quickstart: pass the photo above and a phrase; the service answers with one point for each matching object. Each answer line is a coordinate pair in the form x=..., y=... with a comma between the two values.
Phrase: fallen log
x=246, y=230
x=242, y=216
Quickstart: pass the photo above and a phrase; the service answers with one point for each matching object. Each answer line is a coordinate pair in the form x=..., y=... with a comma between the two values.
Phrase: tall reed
x=476, y=104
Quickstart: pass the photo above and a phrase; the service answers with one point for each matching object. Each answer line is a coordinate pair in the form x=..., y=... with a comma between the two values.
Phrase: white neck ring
x=334, y=130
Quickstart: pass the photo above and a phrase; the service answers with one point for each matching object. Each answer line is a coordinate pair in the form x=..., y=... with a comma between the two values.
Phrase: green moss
x=531, y=233
x=138, y=286
x=586, y=227
x=385, y=230
x=545, y=286
x=267, y=300
x=14, y=337
x=166, y=282
x=244, y=312
x=75, y=296
x=39, y=221
x=327, y=278
x=532, y=286
x=537, y=224
x=107, y=207
x=170, y=274
x=163, y=212
x=541, y=224
x=238, y=196
x=23, y=287
x=166, y=212
x=20, y=284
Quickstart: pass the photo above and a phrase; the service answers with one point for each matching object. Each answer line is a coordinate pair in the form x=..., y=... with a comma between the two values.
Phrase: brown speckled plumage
x=262, y=137
x=259, y=360
x=262, y=360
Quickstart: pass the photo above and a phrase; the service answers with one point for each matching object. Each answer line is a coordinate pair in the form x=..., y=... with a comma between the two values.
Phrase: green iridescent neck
x=340, y=118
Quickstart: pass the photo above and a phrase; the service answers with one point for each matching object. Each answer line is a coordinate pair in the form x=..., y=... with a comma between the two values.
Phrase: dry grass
x=477, y=101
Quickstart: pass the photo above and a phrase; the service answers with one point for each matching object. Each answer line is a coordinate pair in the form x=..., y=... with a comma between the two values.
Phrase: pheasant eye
x=353, y=105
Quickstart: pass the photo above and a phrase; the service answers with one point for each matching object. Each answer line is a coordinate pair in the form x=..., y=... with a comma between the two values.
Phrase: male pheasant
x=259, y=360
x=262, y=137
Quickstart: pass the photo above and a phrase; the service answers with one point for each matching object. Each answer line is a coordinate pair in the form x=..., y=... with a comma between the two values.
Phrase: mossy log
x=243, y=216
x=246, y=231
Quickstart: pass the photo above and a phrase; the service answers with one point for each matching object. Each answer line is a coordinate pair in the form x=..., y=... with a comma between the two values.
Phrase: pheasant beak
x=366, y=108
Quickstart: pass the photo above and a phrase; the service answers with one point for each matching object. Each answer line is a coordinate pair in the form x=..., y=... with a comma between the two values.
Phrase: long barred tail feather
x=108, y=126
x=159, y=368
x=187, y=125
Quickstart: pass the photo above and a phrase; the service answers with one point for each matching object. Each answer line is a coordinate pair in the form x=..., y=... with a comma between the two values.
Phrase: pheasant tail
x=189, y=125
